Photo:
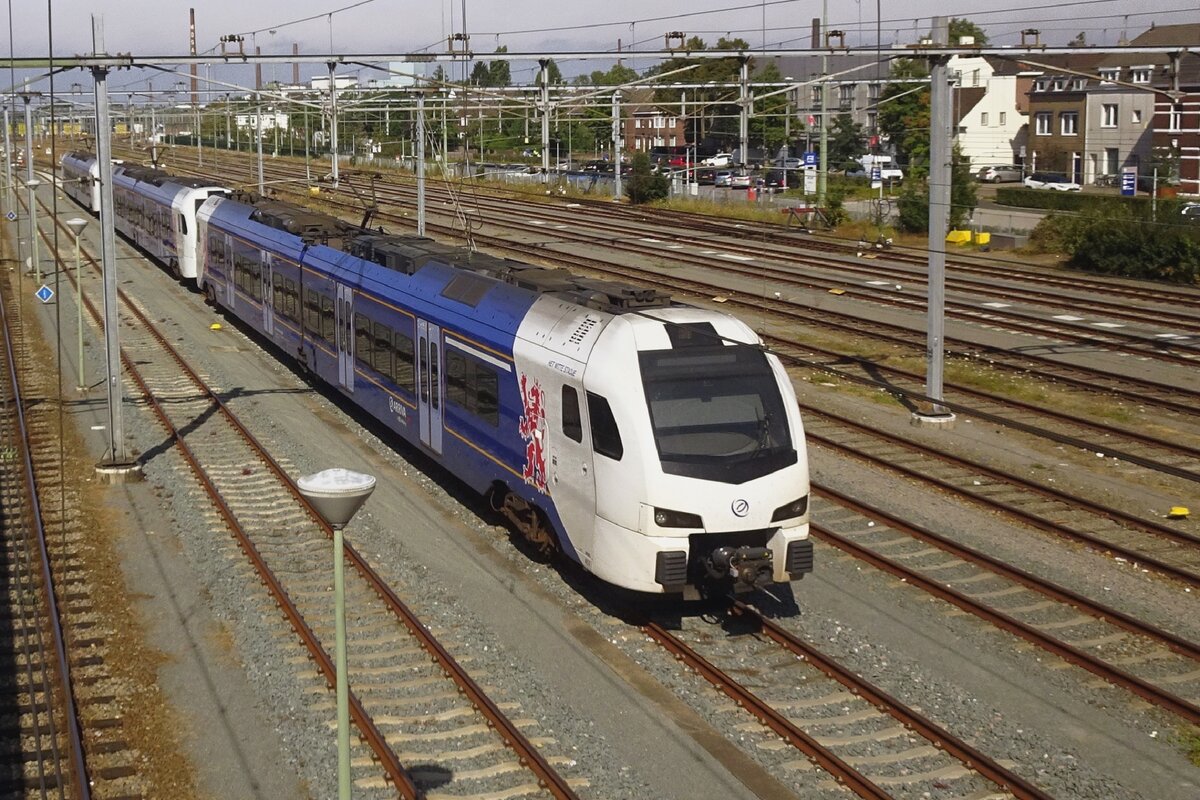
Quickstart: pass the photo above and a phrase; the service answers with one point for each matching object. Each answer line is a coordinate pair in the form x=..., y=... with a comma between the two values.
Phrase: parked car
x=722, y=177
x=741, y=181
x=1190, y=211
x=1051, y=180
x=1004, y=173
x=718, y=160
x=706, y=176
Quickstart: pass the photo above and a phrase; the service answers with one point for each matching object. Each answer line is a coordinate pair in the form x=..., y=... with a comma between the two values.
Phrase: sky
x=160, y=27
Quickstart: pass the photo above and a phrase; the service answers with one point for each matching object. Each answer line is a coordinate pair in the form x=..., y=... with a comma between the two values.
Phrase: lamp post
x=34, y=258
x=337, y=494
x=77, y=224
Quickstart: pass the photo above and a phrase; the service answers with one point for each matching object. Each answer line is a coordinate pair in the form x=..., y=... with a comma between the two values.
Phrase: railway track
x=1149, y=662
x=57, y=645
x=411, y=700
x=804, y=701
x=1144, y=543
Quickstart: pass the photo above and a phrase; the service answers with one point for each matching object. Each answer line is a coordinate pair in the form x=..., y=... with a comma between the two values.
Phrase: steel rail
x=74, y=733
x=970, y=756
x=527, y=753
x=781, y=725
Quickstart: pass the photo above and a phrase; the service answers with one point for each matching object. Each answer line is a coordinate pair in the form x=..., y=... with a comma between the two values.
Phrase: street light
x=32, y=185
x=77, y=224
x=336, y=494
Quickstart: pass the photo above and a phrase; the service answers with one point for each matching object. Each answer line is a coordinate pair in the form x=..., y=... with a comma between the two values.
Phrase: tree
x=553, y=73
x=616, y=75
x=643, y=185
x=964, y=27
x=913, y=203
x=904, y=119
x=846, y=140
x=1080, y=40
x=499, y=72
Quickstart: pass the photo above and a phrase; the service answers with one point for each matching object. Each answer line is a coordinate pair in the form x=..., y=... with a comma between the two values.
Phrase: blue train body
x=656, y=444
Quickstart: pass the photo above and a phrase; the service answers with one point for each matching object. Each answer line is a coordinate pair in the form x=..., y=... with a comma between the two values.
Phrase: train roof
x=478, y=272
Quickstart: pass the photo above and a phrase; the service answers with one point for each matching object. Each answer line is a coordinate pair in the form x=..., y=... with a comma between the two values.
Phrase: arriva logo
x=740, y=508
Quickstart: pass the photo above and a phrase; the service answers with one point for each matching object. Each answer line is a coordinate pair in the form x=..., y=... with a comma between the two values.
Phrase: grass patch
x=1190, y=739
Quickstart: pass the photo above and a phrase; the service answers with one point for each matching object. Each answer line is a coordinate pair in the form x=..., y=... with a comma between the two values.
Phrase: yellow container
x=982, y=237
x=314, y=190
x=958, y=237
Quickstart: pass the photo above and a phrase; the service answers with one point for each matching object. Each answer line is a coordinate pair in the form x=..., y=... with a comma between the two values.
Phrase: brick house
x=1175, y=134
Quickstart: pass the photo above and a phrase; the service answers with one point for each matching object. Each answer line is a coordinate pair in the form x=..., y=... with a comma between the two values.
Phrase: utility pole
x=744, y=101
x=420, y=163
x=34, y=257
x=823, y=169
x=117, y=463
x=618, y=144
x=258, y=137
x=333, y=122
x=544, y=81
x=940, y=120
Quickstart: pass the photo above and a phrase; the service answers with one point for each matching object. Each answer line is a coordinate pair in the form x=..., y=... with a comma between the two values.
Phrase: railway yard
x=1003, y=608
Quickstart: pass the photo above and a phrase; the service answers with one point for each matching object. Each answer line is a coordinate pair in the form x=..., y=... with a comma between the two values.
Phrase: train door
x=569, y=453
x=344, y=312
x=268, y=296
x=429, y=384
x=230, y=271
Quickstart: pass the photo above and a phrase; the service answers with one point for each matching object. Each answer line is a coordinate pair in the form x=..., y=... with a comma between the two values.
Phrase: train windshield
x=717, y=412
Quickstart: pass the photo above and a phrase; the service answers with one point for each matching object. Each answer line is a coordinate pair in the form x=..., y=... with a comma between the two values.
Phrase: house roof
x=1184, y=35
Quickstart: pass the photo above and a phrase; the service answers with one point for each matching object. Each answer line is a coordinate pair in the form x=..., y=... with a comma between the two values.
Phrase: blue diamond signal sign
x=44, y=294
x=12, y=216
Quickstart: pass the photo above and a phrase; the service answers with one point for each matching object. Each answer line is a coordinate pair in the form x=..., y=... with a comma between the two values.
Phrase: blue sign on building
x=1128, y=183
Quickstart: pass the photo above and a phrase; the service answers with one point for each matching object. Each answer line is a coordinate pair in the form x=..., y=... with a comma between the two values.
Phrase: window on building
x=872, y=120
x=1139, y=75
x=873, y=92
x=1175, y=118
x=1079, y=84
x=974, y=77
x=1137, y=116
x=1042, y=123
x=1041, y=84
x=1112, y=161
x=1060, y=84
x=1068, y=123
x=1108, y=115
x=1109, y=74
x=983, y=118
x=1003, y=117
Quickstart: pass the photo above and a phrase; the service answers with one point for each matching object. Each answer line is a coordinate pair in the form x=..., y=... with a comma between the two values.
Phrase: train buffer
x=806, y=217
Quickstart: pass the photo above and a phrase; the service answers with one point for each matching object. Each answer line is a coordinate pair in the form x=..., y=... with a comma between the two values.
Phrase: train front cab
x=671, y=465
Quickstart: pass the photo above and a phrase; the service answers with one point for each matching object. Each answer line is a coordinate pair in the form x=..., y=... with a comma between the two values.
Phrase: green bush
x=1120, y=238
x=643, y=186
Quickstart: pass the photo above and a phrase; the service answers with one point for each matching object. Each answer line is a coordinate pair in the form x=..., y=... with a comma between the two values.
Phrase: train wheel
x=530, y=521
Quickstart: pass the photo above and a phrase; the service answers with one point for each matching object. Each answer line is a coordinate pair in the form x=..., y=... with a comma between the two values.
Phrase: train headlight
x=796, y=508
x=666, y=518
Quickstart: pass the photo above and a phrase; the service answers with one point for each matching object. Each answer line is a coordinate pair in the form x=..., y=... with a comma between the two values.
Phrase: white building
x=992, y=107
x=321, y=84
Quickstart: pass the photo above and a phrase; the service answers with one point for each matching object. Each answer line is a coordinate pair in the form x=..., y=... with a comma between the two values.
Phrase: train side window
x=606, y=438
x=277, y=293
x=456, y=379
x=404, y=372
x=424, y=362
x=183, y=224
x=572, y=423
x=362, y=339
x=290, y=309
x=327, y=325
x=382, y=349
x=434, y=377
x=487, y=395
x=312, y=312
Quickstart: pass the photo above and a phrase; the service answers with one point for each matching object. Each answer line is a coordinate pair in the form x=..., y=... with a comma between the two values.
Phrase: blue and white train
x=155, y=210
x=656, y=444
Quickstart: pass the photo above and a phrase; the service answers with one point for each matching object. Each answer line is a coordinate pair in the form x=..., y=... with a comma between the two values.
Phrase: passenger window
x=572, y=425
x=606, y=438
x=362, y=339
x=435, y=385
